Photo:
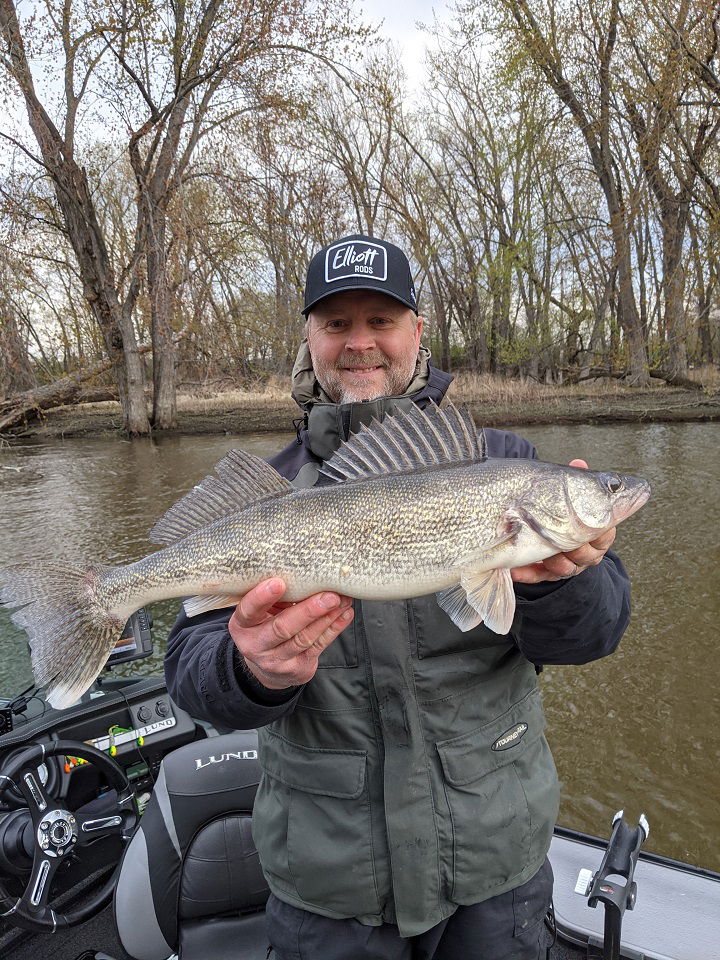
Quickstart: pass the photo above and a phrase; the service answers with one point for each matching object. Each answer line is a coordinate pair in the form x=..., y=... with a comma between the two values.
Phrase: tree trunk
x=99, y=290
x=596, y=133
x=443, y=324
x=597, y=339
x=479, y=349
x=673, y=227
x=627, y=308
x=16, y=371
x=161, y=298
x=704, y=297
x=27, y=406
x=703, y=326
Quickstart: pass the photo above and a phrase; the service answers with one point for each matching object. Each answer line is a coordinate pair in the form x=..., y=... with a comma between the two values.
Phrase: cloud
x=399, y=24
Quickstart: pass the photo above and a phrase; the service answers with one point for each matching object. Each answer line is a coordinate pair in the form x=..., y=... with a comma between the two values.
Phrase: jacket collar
x=327, y=425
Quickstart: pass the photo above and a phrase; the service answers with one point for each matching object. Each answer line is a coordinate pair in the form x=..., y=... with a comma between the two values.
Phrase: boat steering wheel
x=57, y=832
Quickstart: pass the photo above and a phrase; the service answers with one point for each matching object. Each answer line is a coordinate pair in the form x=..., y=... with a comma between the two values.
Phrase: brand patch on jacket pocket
x=510, y=737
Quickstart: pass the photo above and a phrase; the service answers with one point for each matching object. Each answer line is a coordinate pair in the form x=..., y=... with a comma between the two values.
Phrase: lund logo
x=510, y=737
x=240, y=755
x=350, y=259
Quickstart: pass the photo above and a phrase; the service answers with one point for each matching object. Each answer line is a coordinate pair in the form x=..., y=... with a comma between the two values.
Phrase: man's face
x=363, y=345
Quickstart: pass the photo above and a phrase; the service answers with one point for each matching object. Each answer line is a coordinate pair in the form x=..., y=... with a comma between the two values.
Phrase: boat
x=125, y=835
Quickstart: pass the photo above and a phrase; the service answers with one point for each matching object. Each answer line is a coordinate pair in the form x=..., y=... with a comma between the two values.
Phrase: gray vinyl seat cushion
x=191, y=876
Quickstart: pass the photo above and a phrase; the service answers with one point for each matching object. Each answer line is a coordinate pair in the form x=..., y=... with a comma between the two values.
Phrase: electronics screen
x=136, y=640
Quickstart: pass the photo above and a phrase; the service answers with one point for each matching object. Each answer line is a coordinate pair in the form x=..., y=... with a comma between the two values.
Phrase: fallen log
x=19, y=410
x=598, y=373
x=675, y=381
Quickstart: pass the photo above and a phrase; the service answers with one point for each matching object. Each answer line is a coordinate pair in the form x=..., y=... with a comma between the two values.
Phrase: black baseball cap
x=359, y=263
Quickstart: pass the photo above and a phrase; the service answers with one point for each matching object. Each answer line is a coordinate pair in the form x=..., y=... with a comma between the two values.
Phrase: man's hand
x=281, y=642
x=561, y=566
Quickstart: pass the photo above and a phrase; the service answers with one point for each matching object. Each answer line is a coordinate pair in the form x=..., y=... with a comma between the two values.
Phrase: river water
x=637, y=730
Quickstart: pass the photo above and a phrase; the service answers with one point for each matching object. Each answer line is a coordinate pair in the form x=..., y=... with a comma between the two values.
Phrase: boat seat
x=190, y=881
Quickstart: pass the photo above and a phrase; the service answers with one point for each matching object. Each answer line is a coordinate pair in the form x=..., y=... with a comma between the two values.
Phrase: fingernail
x=329, y=600
x=274, y=588
x=346, y=615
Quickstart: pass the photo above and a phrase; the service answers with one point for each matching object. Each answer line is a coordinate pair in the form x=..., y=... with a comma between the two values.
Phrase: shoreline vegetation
x=494, y=402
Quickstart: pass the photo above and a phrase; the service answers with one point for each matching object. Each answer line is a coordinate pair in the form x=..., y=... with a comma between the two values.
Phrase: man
x=409, y=795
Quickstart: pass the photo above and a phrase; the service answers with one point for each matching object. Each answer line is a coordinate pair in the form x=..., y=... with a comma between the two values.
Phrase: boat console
x=73, y=783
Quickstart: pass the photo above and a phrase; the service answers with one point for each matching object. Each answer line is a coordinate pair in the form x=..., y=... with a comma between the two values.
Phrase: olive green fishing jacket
x=411, y=774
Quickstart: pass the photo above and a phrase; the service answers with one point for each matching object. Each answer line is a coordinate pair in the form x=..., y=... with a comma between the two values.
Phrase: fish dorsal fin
x=407, y=441
x=240, y=479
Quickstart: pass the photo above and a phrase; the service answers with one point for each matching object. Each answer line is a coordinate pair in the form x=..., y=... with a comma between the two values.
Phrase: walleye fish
x=416, y=507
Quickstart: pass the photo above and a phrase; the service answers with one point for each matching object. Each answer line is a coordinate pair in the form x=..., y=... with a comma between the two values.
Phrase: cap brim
x=361, y=285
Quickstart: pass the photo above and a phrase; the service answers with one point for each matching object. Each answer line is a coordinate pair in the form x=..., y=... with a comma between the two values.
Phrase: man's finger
x=254, y=607
x=579, y=463
x=319, y=634
x=335, y=629
x=533, y=573
x=592, y=553
x=605, y=541
x=291, y=622
x=561, y=565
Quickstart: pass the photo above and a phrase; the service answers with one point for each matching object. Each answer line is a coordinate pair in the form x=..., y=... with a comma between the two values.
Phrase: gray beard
x=397, y=377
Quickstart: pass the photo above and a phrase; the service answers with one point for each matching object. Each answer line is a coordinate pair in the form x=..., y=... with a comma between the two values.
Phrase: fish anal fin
x=196, y=605
x=240, y=479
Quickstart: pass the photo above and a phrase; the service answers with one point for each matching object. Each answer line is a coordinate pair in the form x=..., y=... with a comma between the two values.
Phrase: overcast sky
x=399, y=26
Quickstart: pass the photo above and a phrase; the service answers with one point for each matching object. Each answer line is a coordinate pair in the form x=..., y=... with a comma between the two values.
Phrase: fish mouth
x=636, y=498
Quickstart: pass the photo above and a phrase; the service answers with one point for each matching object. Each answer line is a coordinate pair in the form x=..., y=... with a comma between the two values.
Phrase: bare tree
x=172, y=73
x=591, y=107
x=74, y=197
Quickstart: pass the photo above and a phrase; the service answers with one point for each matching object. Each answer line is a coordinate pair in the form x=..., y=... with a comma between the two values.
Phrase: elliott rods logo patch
x=353, y=259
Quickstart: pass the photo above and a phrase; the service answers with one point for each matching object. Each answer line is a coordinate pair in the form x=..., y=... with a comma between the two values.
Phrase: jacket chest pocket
x=434, y=634
x=342, y=652
x=501, y=788
x=312, y=825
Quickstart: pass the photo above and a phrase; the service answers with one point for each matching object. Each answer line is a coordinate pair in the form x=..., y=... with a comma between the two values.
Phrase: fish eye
x=614, y=484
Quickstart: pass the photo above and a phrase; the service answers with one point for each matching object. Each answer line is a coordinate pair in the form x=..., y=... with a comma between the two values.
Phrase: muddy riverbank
x=256, y=413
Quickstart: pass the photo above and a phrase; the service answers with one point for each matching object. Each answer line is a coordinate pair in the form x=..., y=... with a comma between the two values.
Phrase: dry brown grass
x=490, y=388
x=272, y=387
x=708, y=375
x=269, y=393
x=466, y=387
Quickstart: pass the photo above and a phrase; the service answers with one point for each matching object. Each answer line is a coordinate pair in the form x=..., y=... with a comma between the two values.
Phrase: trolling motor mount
x=605, y=885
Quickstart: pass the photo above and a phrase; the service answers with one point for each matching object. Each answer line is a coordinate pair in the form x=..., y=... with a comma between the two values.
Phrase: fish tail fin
x=71, y=627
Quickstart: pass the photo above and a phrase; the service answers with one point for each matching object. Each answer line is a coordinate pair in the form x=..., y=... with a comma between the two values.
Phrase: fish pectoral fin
x=454, y=602
x=481, y=596
x=196, y=605
x=491, y=593
x=484, y=593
